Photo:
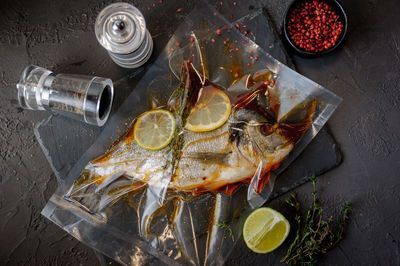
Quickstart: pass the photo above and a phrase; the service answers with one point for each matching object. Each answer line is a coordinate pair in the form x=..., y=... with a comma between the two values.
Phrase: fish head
x=256, y=131
x=258, y=139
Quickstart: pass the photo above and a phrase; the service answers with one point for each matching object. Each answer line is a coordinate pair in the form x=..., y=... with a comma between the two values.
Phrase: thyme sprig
x=226, y=227
x=314, y=234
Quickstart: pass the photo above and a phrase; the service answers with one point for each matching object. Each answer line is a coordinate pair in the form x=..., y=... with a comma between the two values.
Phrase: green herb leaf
x=182, y=101
x=226, y=227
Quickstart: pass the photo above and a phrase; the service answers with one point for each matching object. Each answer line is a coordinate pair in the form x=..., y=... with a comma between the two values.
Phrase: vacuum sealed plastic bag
x=185, y=203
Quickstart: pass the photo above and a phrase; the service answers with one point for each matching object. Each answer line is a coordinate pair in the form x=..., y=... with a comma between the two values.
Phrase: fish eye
x=266, y=130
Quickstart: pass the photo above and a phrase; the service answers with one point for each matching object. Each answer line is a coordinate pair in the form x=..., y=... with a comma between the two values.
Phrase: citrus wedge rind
x=265, y=230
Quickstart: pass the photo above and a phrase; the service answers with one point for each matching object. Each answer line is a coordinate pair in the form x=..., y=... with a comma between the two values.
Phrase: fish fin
x=302, y=112
x=109, y=180
x=229, y=188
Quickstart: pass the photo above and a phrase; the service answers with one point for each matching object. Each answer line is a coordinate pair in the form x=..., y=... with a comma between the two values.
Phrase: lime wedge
x=265, y=229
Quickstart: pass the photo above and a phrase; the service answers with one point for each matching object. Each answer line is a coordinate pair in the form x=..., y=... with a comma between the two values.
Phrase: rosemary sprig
x=183, y=99
x=314, y=234
x=226, y=227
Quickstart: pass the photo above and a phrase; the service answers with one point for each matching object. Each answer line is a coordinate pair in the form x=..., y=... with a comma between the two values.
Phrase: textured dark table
x=365, y=73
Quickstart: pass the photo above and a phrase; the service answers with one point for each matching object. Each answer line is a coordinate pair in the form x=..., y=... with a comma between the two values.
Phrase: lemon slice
x=265, y=229
x=210, y=112
x=154, y=129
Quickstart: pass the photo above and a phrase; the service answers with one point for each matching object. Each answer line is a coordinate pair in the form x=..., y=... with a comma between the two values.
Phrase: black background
x=59, y=35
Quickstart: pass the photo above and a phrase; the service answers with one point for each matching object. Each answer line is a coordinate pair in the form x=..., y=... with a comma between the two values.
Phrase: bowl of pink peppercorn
x=314, y=27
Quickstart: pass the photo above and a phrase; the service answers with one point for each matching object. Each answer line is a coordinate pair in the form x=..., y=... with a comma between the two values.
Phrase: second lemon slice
x=210, y=112
x=154, y=129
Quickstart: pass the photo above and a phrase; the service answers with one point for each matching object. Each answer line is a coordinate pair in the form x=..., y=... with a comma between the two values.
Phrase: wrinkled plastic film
x=140, y=218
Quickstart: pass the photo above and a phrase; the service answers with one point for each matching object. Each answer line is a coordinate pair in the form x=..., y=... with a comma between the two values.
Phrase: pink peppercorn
x=314, y=27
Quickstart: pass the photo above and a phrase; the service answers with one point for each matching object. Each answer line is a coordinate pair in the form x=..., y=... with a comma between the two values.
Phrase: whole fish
x=249, y=145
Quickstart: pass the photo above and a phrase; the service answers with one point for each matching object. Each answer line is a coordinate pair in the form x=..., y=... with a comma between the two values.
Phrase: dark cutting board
x=64, y=141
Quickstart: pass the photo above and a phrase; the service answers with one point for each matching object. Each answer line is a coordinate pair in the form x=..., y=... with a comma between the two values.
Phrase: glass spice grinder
x=80, y=97
x=121, y=29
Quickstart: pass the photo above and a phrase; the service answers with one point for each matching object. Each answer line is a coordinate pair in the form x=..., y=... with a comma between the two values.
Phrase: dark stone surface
x=64, y=141
x=365, y=72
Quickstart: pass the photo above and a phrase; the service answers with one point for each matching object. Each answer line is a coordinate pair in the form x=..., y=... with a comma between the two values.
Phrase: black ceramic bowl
x=336, y=7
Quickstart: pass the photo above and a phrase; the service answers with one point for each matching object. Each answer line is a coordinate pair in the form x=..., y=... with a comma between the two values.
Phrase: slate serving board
x=64, y=141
